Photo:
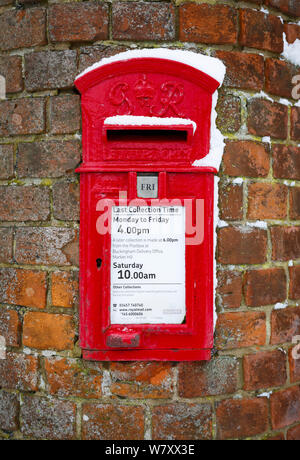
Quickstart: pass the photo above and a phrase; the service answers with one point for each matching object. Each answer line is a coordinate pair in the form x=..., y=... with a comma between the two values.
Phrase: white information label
x=148, y=265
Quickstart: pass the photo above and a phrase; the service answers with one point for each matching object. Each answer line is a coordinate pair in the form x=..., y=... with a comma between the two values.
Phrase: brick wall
x=251, y=388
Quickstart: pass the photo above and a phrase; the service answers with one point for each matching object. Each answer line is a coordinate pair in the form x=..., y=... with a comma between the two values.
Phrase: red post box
x=147, y=206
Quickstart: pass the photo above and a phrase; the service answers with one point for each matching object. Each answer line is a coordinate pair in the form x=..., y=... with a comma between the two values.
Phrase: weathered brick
x=48, y=159
x=182, y=421
x=279, y=75
x=65, y=114
x=242, y=245
x=89, y=55
x=106, y=422
x=267, y=201
x=229, y=290
x=294, y=282
x=294, y=362
x=47, y=246
x=295, y=123
x=22, y=116
x=23, y=287
x=276, y=437
x=10, y=327
x=286, y=162
x=242, y=418
x=265, y=370
x=66, y=201
x=239, y=330
x=19, y=204
x=267, y=118
x=48, y=331
x=9, y=411
x=216, y=377
x=141, y=380
x=265, y=287
x=64, y=289
x=19, y=372
x=295, y=203
x=261, y=31
x=201, y=23
x=137, y=21
x=292, y=32
x=6, y=161
x=22, y=28
x=285, y=325
x=6, y=244
x=231, y=202
x=285, y=243
x=229, y=114
x=290, y=7
x=48, y=419
x=71, y=377
x=245, y=71
x=73, y=22
x=50, y=70
x=246, y=158
x=285, y=407
x=293, y=434
x=11, y=70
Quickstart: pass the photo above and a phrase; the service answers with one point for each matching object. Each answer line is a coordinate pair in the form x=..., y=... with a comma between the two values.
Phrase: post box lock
x=147, y=190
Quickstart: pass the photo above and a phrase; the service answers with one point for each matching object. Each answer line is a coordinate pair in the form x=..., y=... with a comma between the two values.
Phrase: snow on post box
x=150, y=155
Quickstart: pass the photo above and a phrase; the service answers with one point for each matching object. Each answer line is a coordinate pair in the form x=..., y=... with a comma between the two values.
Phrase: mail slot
x=147, y=207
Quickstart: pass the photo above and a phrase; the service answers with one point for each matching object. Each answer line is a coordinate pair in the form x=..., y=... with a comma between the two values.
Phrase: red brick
x=294, y=352
x=279, y=75
x=64, y=289
x=285, y=407
x=231, y=202
x=23, y=287
x=89, y=55
x=65, y=114
x=229, y=114
x=48, y=419
x=242, y=245
x=245, y=71
x=6, y=244
x=73, y=22
x=19, y=204
x=141, y=380
x=48, y=331
x=276, y=437
x=285, y=243
x=22, y=28
x=267, y=201
x=10, y=327
x=19, y=372
x=107, y=422
x=290, y=7
x=261, y=31
x=292, y=32
x=285, y=325
x=246, y=158
x=265, y=370
x=216, y=377
x=46, y=246
x=22, y=116
x=267, y=118
x=11, y=69
x=9, y=411
x=265, y=287
x=295, y=203
x=286, y=162
x=6, y=161
x=50, y=70
x=71, y=377
x=293, y=434
x=182, y=422
x=48, y=159
x=295, y=123
x=137, y=21
x=242, y=418
x=229, y=291
x=66, y=201
x=201, y=23
x=294, y=282
x=239, y=330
